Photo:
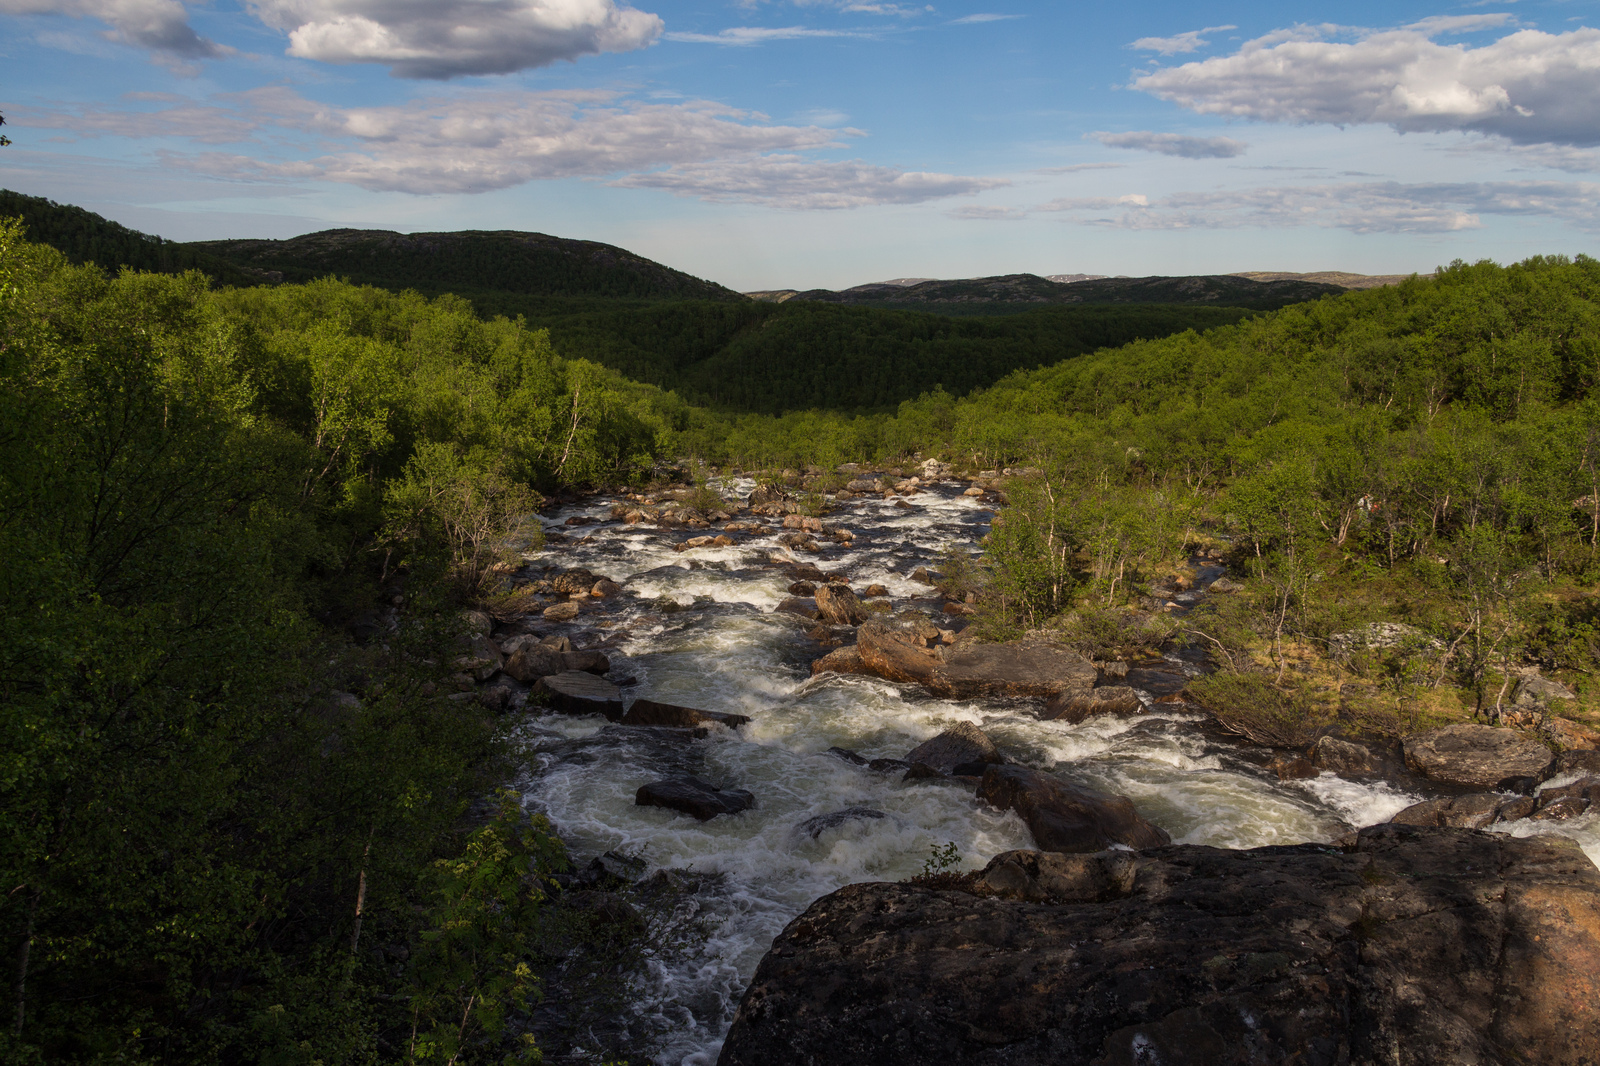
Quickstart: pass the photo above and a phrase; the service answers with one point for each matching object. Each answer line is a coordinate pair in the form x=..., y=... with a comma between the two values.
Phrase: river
x=728, y=651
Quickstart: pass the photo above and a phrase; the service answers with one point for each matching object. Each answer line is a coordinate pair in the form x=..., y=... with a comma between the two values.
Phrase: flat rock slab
x=1422, y=947
x=970, y=670
x=649, y=712
x=1064, y=817
x=1076, y=705
x=691, y=795
x=962, y=748
x=577, y=692
x=1477, y=756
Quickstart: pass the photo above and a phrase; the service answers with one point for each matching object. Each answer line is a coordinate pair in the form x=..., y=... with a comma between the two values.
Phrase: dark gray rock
x=1064, y=817
x=691, y=795
x=1076, y=705
x=532, y=661
x=649, y=712
x=815, y=827
x=1473, y=811
x=1345, y=758
x=1408, y=947
x=577, y=692
x=1477, y=756
x=962, y=745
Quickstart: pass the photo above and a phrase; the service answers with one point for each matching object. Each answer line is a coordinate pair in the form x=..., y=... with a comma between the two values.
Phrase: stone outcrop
x=577, y=692
x=963, y=749
x=649, y=712
x=1076, y=705
x=839, y=606
x=1064, y=817
x=845, y=660
x=970, y=670
x=1422, y=947
x=691, y=795
x=1478, y=810
x=1478, y=756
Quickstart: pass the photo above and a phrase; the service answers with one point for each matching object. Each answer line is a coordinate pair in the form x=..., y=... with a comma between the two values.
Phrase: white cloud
x=1529, y=87
x=967, y=20
x=1173, y=144
x=792, y=182
x=989, y=214
x=1095, y=203
x=452, y=38
x=159, y=25
x=1076, y=167
x=1183, y=42
x=1372, y=207
x=475, y=142
x=744, y=36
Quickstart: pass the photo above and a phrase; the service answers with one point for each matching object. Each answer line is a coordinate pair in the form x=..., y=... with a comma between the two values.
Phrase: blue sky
x=802, y=143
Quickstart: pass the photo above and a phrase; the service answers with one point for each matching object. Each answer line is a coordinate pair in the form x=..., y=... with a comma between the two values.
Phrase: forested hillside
x=469, y=261
x=85, y=237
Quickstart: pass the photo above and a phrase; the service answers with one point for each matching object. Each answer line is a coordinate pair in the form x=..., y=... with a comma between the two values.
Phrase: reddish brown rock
x=845, y=660
x=1075, y=705
x=1064, y=817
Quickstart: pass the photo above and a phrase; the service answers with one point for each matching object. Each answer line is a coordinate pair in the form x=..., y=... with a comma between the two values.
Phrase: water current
x=728, y=650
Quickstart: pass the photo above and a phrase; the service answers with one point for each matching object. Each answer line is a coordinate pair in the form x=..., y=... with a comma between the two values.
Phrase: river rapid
x=728, y=650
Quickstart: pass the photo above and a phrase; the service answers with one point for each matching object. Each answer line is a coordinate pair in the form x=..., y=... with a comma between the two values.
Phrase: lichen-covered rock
x=1477, y=756
x=1064, y=817
x=838, y=606
x=1407, y=947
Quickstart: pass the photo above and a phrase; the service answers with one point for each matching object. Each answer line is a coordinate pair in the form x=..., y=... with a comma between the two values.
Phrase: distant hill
x=469, y=261
x=1010, y=293
x=85, y=237
x=1330, y=277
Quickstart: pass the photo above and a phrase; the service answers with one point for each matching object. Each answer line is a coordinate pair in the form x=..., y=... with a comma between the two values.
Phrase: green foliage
x=942, y=859
x=472, y=966
x=1262, y=711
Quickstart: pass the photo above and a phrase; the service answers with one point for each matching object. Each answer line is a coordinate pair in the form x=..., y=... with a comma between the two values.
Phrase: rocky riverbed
x=721, y=614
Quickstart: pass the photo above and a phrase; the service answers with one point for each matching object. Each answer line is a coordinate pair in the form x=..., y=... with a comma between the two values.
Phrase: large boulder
x=1477, y=756
x=1075, y=705
x=532, y=661
x=1064, y=817
x=691, y=795
x=839, y=606
x=969, y=670
x=1421, y=947
x=845, y=660
x=961, y=749
x=577, y=692
x=649, y=712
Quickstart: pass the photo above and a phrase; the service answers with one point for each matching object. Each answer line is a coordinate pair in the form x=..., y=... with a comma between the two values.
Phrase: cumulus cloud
x=1173, y=144
x=793, y=182
x=452, y=38
x=1529, y=87
x=159, y=25
x=1190, y=41
x=1372, y=207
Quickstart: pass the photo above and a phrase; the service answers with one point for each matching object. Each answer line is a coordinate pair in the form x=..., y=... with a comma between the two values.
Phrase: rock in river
x=963, y=748
x=1414, y=946
x=1477, y=756
x=649, y=712
x=1076, y=705
x=966, y=671
x=576, y=692
x=839, y=606
x=691, y=795
x=1063, y=817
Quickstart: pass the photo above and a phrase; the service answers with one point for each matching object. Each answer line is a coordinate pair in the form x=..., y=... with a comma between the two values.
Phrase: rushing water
x=729, y=651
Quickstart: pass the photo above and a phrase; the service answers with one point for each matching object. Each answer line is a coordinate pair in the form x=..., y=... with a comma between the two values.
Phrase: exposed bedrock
x=970, y=670
x=1407, y=945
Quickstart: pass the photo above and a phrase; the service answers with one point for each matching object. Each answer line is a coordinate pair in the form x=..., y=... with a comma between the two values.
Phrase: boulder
x=876, y=591
x=562, y=612
x=1578, y=762
x=532, y=661
x=574, y=582
x=805, y=608
x=691, y=795
x=1344, y=758
x=839, y=606
x=1222, y=584
x=477, y=623
x=815, y=827
x=1568, y=735
x=1382, y=636
x=802, y=588
x=967, y=671
x=1064, y=817
x=577, y=692
x=1076, y=705
x=1540, y=690
x=1422, y=947
x=1477, y=756
x=963, y=749
x=604, y=588
x=1474, y=811
x=590, y=661
x=845, y=660
x=649, y=712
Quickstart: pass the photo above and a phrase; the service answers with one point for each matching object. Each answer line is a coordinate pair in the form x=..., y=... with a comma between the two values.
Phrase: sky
x=827, y=143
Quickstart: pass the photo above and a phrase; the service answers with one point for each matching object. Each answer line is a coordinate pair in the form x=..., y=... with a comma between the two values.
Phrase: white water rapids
x=731, y=652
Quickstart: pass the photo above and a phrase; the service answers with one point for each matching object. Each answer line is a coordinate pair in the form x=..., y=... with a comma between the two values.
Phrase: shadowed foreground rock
x=1409, y=946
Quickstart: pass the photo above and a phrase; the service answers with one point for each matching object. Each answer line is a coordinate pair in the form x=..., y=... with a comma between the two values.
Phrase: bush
x=1252, y=706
